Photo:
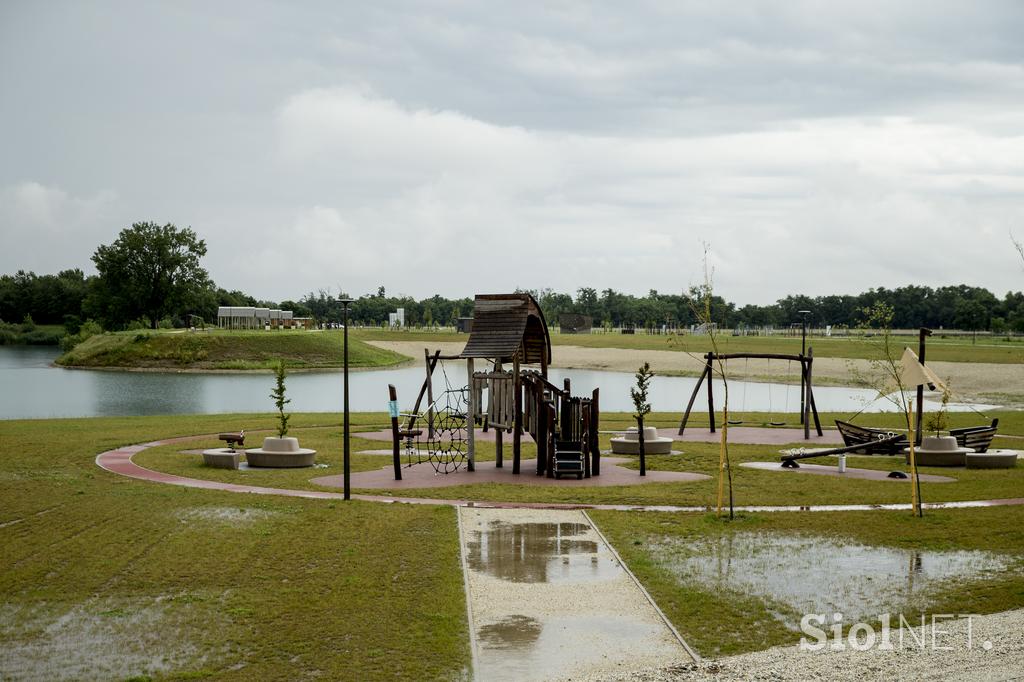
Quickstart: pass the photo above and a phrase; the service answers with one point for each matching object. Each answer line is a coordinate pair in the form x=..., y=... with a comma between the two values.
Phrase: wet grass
x=724, y=622
x=275, y=588
x=951, y=349
x=225, y=350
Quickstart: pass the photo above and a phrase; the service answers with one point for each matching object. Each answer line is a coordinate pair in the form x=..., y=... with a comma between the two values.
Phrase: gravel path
x=1003, y=661
x=971, y=381
x=550, y=600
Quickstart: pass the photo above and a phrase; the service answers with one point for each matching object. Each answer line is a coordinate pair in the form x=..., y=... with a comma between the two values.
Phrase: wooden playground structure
x=511, y=397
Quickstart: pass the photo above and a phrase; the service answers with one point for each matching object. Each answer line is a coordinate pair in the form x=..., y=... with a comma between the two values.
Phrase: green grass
x=953, y=349
x=223, y=350
x=718, y=622
x=280, y=588
x=289, y=588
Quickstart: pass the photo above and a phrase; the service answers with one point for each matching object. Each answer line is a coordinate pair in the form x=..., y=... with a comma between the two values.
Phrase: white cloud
x=41, y=225
x=459, y=149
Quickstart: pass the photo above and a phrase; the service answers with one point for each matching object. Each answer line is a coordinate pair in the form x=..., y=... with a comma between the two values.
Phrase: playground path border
x=119, y=461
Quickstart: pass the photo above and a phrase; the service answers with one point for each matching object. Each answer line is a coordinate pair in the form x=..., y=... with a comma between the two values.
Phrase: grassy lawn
x=952, y=349
x=225, y=350
x=178, y=583
x=106, y=577
x=720, y=621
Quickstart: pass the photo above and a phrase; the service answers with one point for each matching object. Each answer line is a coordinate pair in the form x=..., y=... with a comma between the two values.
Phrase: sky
x=459, y=148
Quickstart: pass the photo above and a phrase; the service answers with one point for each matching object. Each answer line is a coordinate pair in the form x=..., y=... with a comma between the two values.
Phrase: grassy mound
x=224, y=350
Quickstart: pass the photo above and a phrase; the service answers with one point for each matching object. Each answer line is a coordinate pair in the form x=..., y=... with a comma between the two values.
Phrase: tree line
x=151, y=276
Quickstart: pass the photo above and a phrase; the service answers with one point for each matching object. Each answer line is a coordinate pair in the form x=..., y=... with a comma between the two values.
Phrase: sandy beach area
x=998, y=384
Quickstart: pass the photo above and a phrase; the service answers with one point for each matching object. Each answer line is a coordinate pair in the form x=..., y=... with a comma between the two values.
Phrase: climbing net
x=446, y=446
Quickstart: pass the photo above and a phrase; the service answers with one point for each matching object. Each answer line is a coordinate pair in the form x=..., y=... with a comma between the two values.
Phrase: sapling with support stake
x=642, y=407
x=278, y=395
x=701, y=299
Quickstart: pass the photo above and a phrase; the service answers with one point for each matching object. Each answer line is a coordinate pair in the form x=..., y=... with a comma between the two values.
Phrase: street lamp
x=344, y=307
x=803, y=367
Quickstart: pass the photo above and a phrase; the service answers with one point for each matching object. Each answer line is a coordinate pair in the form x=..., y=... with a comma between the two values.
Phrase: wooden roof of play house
x=507, y=324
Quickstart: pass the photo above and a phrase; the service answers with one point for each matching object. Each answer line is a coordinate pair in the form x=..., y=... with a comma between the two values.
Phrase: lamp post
x=803, y=367
x=344, y=316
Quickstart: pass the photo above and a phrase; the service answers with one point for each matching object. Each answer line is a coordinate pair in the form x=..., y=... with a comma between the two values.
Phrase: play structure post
x=595, y=424
x=922, y=334
x=517, y=421
x=693, y=398
x=804, y=368
x=471, y=420
x=542, y=434
x=393, y=408
x=498, y=432
x=347, y=468
x=430, y=392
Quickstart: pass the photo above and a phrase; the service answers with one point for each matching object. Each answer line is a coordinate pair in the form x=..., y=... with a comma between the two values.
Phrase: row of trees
x=152, y=273
x=951, y=307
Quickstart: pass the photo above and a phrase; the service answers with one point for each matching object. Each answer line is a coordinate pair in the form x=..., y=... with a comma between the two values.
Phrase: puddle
x=99, y=639
x=224, y=514
x=514, y=632
x=820, y=575
x=538, y=553
x=614, y=643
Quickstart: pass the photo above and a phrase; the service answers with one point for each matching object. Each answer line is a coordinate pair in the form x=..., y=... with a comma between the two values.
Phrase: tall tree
x=149, y=271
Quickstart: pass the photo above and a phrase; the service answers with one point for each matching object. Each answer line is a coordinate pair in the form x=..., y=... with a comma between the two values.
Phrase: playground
x=489, y=514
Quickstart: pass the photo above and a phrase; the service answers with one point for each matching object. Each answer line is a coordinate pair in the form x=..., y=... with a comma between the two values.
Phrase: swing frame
x=806, y=365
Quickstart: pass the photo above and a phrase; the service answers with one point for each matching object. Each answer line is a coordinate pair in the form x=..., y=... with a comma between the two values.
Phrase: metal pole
x=345, y=428
x=923, y=333
x=803, y=367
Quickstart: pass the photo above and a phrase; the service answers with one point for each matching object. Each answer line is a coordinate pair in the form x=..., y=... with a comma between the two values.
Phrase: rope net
x=446, y=447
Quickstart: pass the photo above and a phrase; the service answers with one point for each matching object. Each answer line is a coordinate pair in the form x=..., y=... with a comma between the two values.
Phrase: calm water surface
x=33, y=388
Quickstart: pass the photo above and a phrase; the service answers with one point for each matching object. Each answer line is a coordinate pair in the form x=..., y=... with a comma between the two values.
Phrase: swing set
x=808, y=409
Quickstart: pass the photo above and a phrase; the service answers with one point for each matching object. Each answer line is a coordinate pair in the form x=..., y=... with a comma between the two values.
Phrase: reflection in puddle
x=537, y=553
x=514, y=632
x=820, y=575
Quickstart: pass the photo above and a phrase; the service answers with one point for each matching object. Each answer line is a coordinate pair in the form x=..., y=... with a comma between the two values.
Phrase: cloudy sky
x=456, y=147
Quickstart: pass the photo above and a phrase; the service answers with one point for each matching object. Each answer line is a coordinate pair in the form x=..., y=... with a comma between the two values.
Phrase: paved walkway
x=423, y=476
x=851, y=472
x=549, y=599
x=119, y=461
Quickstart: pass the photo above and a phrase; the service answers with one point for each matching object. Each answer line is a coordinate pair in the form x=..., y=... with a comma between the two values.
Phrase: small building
x=248, y=317
x=464, y=325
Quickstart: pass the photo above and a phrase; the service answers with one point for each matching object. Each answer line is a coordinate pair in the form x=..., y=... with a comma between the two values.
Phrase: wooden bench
x=978, y=438
x=233, y=439
x=875, y=441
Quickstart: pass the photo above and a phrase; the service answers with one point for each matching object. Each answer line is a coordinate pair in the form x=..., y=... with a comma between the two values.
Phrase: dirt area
x=999, y=384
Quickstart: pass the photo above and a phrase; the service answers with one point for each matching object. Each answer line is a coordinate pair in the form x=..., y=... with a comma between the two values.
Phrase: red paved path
x=119, y=461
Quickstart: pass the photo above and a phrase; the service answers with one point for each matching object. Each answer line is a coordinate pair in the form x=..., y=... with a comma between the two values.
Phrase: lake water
x=32, y=387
